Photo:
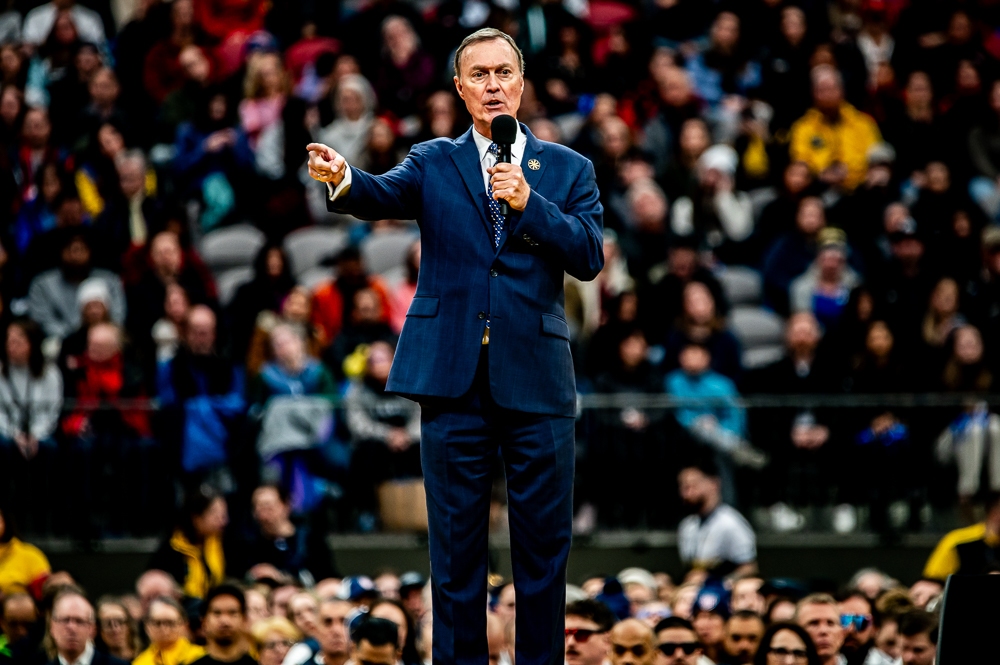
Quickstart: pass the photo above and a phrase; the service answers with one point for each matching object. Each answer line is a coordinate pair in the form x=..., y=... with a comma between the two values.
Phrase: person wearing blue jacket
x=710, y=414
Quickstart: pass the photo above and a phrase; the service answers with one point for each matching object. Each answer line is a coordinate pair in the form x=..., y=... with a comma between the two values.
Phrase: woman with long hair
x=31, y=393
x=194, y=551
x=786, y=644
x=117, y=632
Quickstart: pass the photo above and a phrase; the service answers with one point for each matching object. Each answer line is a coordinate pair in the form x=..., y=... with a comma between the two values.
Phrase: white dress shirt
x=85, y=658
x=486, y=160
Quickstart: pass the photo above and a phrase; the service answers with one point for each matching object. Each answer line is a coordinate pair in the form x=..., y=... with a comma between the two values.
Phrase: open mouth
x=494, y=105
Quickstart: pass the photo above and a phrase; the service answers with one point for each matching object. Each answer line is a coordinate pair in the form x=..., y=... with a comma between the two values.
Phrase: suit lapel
x=466, y=158
x=533, y=149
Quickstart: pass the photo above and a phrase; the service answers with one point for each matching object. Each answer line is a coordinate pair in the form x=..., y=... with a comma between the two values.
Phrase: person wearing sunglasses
x=588, y=622
x=677, y=643
x=632, y=643
x=819, y=615
x=857, y=618
x=786, y=644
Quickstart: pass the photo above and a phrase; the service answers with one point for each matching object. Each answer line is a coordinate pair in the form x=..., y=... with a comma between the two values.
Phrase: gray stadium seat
x=307, y=247
x=231, y=247
x=383, y=251
x=757, y=328
x=762, y=356
x=742, y=286
x=229, y=281
x=313, y=276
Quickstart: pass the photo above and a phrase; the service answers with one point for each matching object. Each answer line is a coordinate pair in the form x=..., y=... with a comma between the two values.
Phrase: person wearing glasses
x=677, y=643
x=786, y=644
x=588, y=622
x=274, y=637
x=632, y=643
x=72, y=628
x=224, y=626
x=166, y=625
x=857, y=618
x=819, y=615
x=117, y=632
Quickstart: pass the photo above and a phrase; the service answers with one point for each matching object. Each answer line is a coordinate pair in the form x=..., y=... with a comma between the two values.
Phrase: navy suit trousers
x=461, y=440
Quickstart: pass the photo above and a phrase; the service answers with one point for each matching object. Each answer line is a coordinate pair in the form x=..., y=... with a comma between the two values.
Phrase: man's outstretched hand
x=325, y=164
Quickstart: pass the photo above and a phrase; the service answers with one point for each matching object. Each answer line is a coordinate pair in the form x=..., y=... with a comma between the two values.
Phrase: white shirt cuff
x=334, y=194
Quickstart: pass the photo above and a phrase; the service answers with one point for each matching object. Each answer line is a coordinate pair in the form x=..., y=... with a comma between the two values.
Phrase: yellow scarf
x=206, y=563
x=181, y=653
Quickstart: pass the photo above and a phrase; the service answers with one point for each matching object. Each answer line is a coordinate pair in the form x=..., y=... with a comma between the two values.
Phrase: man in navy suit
x=485, y=346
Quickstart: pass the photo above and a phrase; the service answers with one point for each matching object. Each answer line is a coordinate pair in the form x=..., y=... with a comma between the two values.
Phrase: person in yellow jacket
x=833, y=137
x=971, y=550
x=23, y=567
x=167, y=626
x=194, y=553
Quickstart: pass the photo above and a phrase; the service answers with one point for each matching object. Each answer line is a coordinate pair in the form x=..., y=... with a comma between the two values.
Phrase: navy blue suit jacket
x=464, y=281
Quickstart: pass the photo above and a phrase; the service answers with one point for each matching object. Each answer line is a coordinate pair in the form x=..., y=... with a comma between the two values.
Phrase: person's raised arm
x=390, y=195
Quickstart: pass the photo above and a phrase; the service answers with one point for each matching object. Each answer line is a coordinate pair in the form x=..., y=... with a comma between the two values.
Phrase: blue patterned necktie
x=494, y=205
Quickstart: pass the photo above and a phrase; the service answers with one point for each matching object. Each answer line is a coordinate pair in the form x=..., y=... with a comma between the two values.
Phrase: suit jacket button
x=482, y=315
x=493, y=272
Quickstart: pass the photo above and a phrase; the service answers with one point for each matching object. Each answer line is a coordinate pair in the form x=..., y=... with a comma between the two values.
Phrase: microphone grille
x=504, y=129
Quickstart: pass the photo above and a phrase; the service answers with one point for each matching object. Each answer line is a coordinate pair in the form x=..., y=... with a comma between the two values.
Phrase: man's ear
x=458, y=87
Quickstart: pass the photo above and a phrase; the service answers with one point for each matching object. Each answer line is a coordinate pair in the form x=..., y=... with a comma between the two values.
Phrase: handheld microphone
x=504, y=131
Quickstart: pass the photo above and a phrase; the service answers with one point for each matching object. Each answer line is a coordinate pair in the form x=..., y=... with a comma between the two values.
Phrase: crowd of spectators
x=272, y=595
x=829, y=168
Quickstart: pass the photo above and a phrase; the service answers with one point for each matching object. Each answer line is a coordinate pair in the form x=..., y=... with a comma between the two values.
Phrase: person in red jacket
x=333, y=301
x=107, y=433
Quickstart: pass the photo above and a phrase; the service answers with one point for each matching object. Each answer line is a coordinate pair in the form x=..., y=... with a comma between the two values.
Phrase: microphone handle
x=504, y=156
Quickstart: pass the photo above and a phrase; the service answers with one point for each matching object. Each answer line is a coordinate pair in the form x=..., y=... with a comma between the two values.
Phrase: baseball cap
x=355, y=588
x=411, y=580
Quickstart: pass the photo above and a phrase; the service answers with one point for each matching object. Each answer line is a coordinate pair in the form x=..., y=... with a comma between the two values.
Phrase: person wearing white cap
x=717, y=214
x=94, y=304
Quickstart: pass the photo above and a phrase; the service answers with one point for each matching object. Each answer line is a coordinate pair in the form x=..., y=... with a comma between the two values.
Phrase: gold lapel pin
x=534, y=164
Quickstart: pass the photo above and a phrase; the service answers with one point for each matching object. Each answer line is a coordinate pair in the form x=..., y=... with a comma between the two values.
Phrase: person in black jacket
x=278, y=545
x=72, y=629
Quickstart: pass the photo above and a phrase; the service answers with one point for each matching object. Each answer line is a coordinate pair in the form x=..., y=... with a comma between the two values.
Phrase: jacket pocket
x=423, y=306
x=555, y=326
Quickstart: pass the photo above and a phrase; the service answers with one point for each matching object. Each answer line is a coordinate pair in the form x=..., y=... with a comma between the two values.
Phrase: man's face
x=73, y=626
x=887, y=640
x=632, y=644
x=584, y=644
x=674, y=645
x=489, y=82
x=695, y=487
x=923, y=591
x=223, y=621
x=855, y=638
x=367, y=654
x=918, y=650
x=19, y=614
x=828, y=93
x=201, y=333
x=332, y=634
x=747, y=596
x=822, y=622
x=742, y=638
x=710, y=627
x=268, y=509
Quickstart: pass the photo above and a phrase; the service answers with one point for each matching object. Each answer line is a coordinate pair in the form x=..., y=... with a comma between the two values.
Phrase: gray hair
x=485, y=35
x=133, y=156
